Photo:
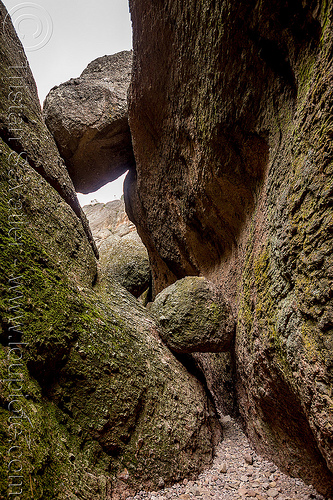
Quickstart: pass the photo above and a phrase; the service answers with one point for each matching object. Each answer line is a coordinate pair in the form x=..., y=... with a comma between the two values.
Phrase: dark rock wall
x=231, y=121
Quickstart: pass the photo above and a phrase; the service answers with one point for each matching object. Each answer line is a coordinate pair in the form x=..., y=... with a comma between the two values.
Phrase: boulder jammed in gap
x=126, y=260
x=231, y=119
x=123, y=256
x=88, y=118
x=194, y=317
x=83, y=373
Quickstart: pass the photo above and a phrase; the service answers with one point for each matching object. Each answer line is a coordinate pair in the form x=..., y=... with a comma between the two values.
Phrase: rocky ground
x=237, y=473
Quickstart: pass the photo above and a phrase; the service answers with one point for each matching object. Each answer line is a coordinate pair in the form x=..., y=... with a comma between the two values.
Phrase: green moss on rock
x=97, y=377
x=193, y=317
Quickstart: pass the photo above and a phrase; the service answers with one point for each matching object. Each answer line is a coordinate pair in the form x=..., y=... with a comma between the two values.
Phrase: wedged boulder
x=125, y=259
x=232, y=135
x=87, y=387
x=88, y=118
x=99, y=382
x=123, y=256
x=194, y=317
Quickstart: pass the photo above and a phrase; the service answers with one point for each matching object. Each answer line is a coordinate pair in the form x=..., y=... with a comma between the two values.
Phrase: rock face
x=194, y=317
x=87, y=387
x=123, y=256
x=219, y=370
x=231, y=120
x=88, y=119
x=108, y=219
x=22, y=126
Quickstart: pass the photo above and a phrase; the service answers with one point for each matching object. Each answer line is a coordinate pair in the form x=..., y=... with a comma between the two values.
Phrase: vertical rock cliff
x=231, y=119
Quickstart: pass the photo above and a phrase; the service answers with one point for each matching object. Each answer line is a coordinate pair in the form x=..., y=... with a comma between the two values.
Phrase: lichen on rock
x=21, y=123
x=92, y=377
x=194, y=317
x=232, y=134
x=94, y=368
x=123, y=256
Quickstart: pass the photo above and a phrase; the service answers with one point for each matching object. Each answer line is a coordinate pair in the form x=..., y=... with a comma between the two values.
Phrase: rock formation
x=231, y=119
x=219, y=372
x=194, y=317
x=108, y=219
x=230, y=113
x=21, y=124
x=123, y=256
x=88, y=119
x=88, y=404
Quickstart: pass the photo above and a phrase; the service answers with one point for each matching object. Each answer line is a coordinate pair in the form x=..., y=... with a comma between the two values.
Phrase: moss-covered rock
x=21, y=123
x=232, y=134
x=194, y=317
x=123, y=256
x=93, y=368
x=126, y=261
x=87, y=387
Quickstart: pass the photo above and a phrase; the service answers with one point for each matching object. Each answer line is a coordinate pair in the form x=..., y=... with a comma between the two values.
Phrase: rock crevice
x=231, y=127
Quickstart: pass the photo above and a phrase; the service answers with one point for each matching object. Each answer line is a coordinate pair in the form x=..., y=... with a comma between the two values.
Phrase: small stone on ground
x=237, y=473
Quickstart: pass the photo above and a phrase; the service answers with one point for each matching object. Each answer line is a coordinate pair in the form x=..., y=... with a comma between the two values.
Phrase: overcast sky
x=62, y=37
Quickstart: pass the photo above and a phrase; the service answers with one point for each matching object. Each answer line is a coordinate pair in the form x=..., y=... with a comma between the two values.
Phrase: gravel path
x=237, y=473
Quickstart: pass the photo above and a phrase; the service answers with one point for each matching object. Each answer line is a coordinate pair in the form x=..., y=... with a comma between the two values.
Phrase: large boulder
x=194, y=317
x=123, y=256
x=232, y=125
x=88, y=118
x=125, y=259
x=88, y=401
